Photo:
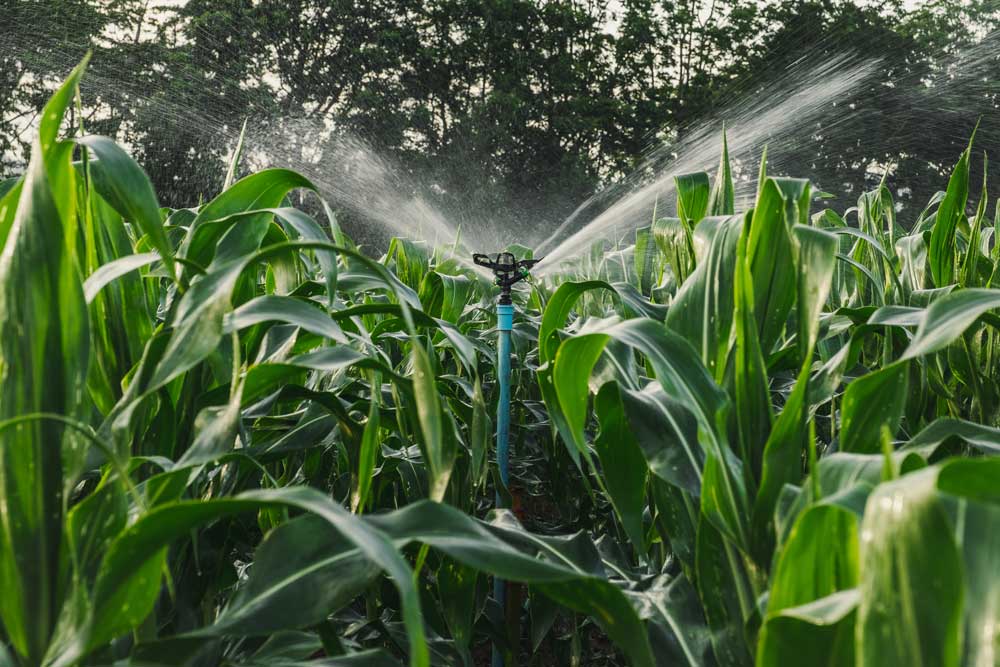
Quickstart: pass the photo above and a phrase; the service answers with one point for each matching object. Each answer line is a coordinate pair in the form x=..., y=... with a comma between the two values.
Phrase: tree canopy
x=520, y=106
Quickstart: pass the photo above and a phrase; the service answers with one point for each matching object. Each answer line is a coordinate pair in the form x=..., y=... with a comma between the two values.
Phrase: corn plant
x=804, y=437
x=230, y=437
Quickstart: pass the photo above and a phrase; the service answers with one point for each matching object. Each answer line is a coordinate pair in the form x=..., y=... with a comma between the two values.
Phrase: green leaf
x=445, y=296
x=969, y=272
x=246, y=203
x=302, y=572
x=215, y=429
x=684, y=379
x=126, y=187
x=479, y=434
x=412, y=319
x=198, y=323
x=457, y=589
x=819, y=558
x=557, y=310
x=980, y=542
x=692, y=197
x=897, y=316
x=645, y=259
x=8, y=207
x=371, y=658
x=7, y=186
x=816, y=261
x=623, y=465
x=198, y=319
x=408, y=260
x=677, y=631
x=762, y=172
x=6, y=659
x=782, y=464
x=94, y=522
x=912, y=253
x=550, y=569
x=674, y=241
x=370, y=448
x=723, y=198
x=971, y=478
x=265, y=378
x=113, y=270
x=725, y=595
x=636, y=305
x=911, y=578
x=819, y=633
x=872, y=402
x=308, y=229
x=44, y=352
x=122, y=301
x=439, y=449
x=943, y=429
x=702, y=310
x=941, y=251
x=667, y=434
x=782, y=203
x=948, y=317
x=234, y=162
x=675, y=361
x=286, y=309
x=578, y=356
x=841, y=472
x=677, y=515
x=974, y=481
x=128, y=583
x=754, y=414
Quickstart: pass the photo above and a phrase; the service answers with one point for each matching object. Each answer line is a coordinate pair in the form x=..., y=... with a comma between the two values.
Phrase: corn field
x=230, y=437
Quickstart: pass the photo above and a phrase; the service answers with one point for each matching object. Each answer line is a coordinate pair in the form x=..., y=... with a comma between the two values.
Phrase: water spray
x=507, y=272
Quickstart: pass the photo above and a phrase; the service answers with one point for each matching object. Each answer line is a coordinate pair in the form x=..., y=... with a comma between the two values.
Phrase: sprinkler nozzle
x=506, y=269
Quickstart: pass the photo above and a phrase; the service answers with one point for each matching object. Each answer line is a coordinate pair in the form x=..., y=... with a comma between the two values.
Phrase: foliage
x=523, y=107
x=229, y=437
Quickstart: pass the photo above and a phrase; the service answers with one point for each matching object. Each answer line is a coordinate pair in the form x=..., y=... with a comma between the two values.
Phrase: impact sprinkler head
x=507, y=270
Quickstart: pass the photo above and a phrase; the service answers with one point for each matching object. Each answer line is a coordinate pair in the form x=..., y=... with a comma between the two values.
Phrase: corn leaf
x=44, y=350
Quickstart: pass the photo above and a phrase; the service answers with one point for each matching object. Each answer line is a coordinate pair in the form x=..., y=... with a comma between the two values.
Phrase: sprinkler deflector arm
x=507, y=271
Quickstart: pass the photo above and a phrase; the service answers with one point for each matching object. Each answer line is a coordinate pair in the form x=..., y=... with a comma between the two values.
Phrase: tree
x=42, y=42
x=503, y=110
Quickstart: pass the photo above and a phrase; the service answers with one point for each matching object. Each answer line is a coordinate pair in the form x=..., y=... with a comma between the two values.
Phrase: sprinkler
x=507, y=271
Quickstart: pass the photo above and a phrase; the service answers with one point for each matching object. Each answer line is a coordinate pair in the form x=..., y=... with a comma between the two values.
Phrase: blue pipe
x=505, y=322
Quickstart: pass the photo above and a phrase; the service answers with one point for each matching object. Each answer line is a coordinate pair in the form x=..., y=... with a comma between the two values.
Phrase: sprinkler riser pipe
x=505, y=323
x=505, y=317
